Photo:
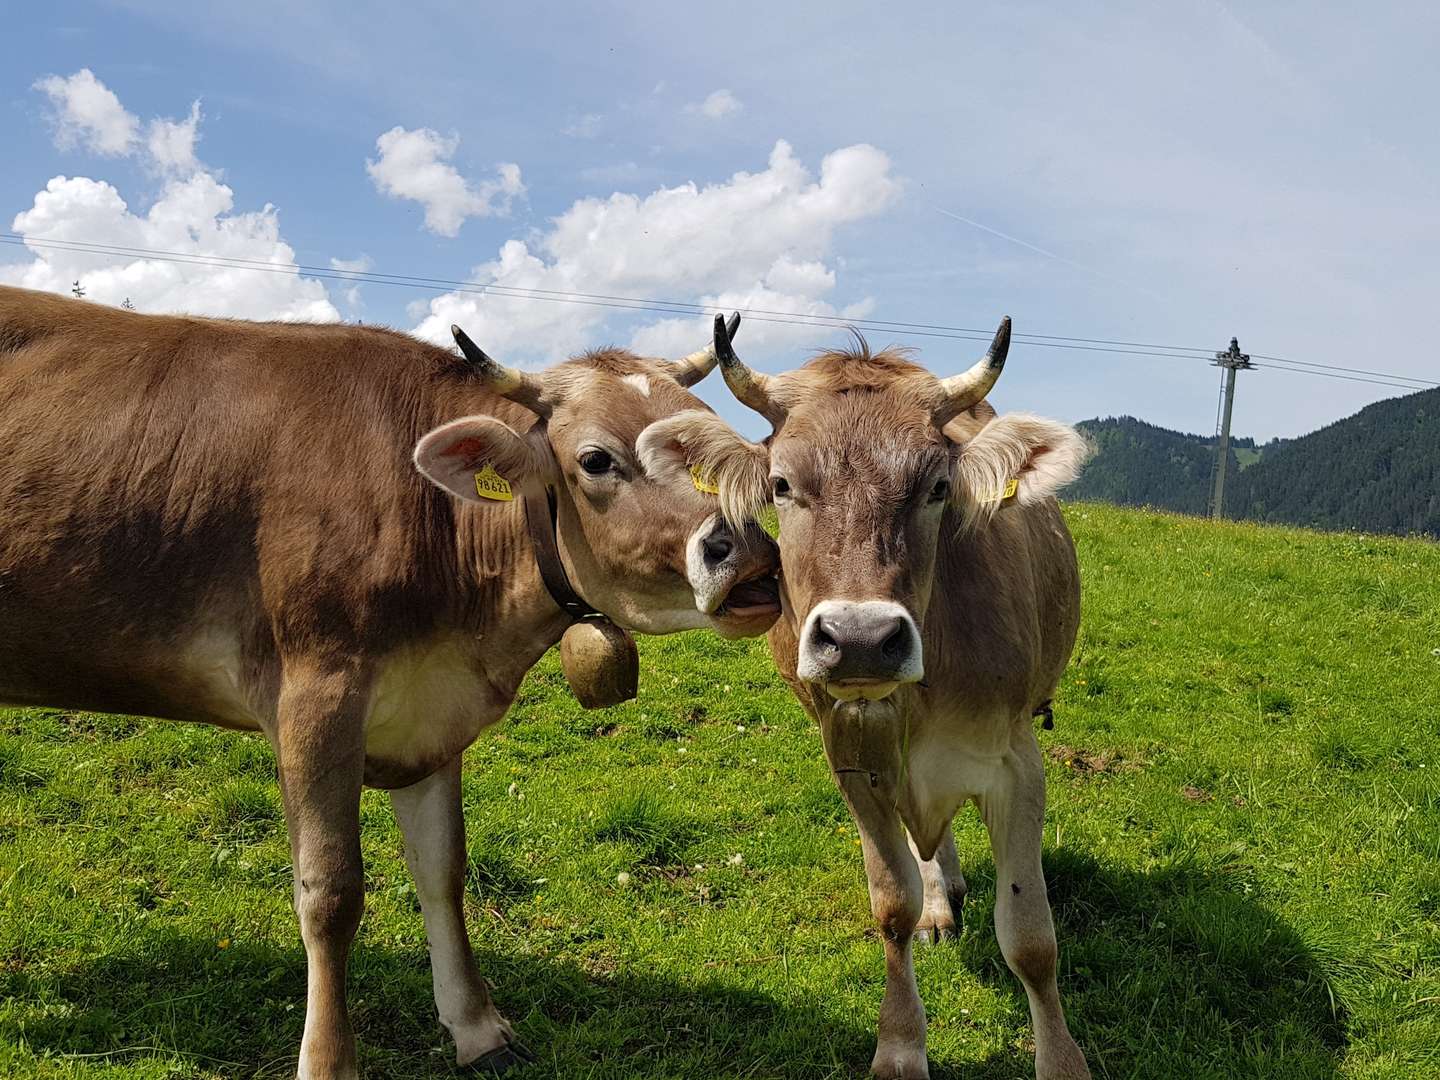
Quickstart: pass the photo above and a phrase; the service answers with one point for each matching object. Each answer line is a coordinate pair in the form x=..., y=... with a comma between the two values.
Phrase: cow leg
x=320, y=747
x=1014, y=811
x=945, y=889
x=896, y=896
x=430, y=816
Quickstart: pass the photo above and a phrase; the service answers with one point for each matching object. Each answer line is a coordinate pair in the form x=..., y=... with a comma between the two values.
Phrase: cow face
x=871, y=458
x=647, y=546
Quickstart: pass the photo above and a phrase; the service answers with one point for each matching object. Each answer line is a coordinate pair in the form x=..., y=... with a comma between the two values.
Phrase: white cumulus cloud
x=171, y=143
x=88, y=115
x=416, y=165
x=717, y=106
x=762, y=239
x=193, y=222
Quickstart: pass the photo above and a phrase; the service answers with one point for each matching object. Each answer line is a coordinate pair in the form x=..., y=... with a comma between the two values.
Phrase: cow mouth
x=751, y=599
x=856, y=689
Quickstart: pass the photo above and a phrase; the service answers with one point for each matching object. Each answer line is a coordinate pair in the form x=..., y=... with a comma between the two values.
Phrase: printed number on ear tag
x=1004, y=496
x=491, y=485
x=703, y=481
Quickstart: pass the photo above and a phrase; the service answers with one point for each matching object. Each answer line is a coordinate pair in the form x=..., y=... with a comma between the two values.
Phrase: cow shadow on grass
x=238, y=1012
x=1178, y=971
x=1173, y=972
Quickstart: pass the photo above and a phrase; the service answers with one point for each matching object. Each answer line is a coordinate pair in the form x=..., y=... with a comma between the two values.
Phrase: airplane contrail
x=1048, y=254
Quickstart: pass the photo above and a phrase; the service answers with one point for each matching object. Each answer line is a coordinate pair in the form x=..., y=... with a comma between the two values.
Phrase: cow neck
x=542, y=525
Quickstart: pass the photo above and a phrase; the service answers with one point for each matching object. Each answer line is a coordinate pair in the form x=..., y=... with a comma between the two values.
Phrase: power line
x=682, y=308
x=622, y=303
x=1348, y=378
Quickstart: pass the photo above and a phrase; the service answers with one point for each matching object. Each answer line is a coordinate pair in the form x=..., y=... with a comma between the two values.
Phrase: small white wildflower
x=622, y=879
x=737, y=859
x=682, y=749
x=740, y=728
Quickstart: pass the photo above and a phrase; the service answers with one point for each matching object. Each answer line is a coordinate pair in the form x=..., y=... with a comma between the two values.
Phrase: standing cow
x=931, y=599
x=220, y=521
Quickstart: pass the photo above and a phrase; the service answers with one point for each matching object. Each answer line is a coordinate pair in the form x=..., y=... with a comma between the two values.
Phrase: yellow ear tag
x=1004, y=496
x=491, y=485
x=703, y=481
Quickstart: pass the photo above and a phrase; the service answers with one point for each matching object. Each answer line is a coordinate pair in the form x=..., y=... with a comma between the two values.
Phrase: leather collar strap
x=541, y=526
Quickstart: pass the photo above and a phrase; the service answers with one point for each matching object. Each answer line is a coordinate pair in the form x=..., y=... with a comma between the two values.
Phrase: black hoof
x=503, y=1058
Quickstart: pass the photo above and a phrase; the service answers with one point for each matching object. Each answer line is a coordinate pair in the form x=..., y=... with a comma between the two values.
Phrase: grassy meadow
x=1243, y=851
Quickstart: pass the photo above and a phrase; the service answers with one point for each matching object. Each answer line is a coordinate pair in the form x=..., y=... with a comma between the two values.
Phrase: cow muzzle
x=860, y=648
x=732, y=572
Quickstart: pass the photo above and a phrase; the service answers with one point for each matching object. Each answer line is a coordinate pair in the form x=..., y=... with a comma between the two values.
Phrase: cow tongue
x=753, y=597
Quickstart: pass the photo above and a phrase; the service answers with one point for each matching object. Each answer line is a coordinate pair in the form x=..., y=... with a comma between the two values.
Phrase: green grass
x=1243, y=850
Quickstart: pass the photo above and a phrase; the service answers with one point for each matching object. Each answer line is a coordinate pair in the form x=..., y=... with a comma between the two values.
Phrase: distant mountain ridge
x=1376, y=471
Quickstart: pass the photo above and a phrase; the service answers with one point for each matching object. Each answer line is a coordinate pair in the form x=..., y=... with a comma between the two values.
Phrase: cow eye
x=941, y=491
x=595, y=462
x=780, y=486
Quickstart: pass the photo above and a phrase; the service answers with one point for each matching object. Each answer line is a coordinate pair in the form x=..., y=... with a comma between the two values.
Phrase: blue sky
x=1157, y=173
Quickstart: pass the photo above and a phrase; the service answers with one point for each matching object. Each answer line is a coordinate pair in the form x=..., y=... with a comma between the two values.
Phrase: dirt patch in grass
x=1092, y=762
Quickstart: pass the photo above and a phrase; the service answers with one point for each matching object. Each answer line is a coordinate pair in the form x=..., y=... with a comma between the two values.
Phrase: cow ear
x=478, y=459
x=1017, y=457
x=699, y=448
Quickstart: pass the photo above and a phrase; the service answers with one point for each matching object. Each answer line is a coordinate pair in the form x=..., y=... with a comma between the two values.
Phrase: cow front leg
x=940, y=914
x=431, y=818
x=1014, y=812
x=319, y=745
x=896, y=895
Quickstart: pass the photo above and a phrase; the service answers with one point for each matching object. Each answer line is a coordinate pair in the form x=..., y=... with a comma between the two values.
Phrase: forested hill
x=1139, y=464
x=1376, y=471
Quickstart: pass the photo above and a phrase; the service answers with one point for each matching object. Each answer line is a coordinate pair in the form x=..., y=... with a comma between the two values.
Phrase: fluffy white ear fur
x=1043, y=455
x=696, y=439
x=453, y=453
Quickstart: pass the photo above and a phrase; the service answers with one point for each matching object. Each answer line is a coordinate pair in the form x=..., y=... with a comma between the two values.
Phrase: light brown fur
x=220, y=521
x=994, y=591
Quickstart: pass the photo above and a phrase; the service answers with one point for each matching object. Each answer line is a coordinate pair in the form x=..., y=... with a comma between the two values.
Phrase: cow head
x=644, y=543
x=870, y=459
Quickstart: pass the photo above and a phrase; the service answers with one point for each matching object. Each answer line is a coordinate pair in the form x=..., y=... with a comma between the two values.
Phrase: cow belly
x=201, y=680
x=428, y=703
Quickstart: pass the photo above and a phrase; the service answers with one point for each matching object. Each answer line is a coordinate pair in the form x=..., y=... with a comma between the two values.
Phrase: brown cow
x=220, y=521
x=931, y=600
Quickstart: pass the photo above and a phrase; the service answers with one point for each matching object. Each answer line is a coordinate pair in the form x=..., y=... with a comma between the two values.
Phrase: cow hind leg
x=940, y=914
x=896, y=896
x=320, y=750
x=1014, y=811
x=430, y=816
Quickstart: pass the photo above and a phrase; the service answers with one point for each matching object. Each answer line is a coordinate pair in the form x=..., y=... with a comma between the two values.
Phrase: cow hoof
x=508, y=1056
x=900, y=1063
x=933, y=935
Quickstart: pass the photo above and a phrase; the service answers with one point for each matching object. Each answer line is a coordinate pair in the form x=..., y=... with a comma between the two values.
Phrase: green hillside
x=1377, y=471
x=1242, y=847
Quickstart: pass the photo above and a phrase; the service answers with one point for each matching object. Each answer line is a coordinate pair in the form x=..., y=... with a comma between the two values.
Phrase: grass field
x=1243, y=851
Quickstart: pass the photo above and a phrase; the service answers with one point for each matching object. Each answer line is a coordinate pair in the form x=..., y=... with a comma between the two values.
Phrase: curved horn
x=959, y=392
x=752, y=388
x=519, y=386
x=691, y=369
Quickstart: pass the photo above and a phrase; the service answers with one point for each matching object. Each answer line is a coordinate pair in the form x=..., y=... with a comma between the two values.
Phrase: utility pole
x=1231, y=360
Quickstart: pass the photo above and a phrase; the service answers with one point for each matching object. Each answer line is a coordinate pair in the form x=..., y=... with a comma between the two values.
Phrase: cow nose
x=718, y=546
x=871, y=641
